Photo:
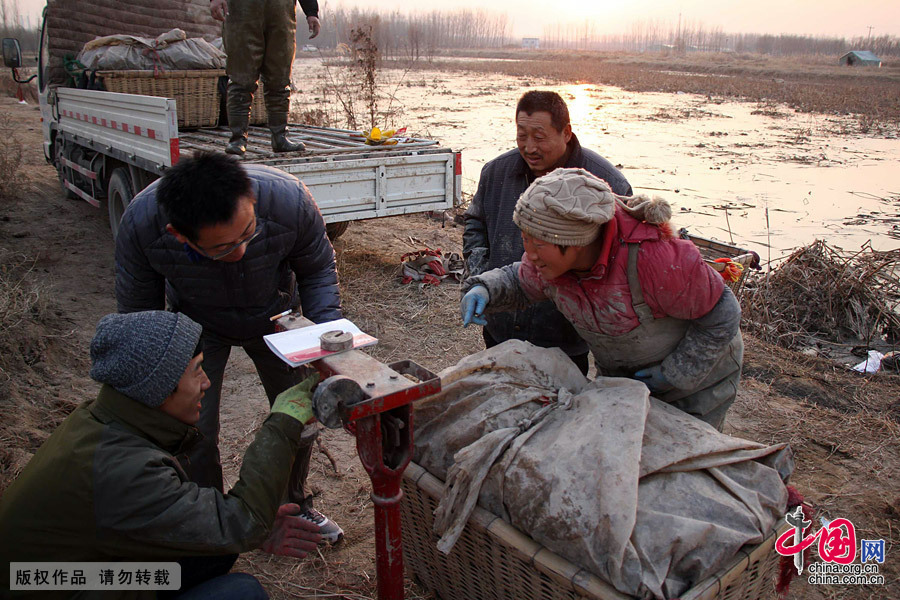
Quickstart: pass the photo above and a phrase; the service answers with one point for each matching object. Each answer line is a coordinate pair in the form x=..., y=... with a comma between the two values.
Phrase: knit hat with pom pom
x=567, y=207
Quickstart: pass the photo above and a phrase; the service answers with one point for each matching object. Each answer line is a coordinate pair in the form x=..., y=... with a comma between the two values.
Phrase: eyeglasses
x=243, y=242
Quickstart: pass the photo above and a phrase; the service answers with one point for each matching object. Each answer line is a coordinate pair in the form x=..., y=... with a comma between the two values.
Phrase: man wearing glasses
x=230, y=246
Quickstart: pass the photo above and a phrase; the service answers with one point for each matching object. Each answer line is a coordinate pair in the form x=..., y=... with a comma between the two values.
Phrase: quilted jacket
x=290, y=264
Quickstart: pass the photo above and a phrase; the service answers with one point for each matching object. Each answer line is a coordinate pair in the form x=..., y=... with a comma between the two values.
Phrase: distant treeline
x=421, y=34
x=415, y=35
x=657, y=36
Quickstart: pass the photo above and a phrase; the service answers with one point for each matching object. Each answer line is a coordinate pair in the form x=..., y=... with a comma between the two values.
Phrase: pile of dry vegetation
x=821, y=293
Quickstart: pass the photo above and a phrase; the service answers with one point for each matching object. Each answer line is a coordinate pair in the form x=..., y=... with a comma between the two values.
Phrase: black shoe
x=329, y=530
x=236, y=147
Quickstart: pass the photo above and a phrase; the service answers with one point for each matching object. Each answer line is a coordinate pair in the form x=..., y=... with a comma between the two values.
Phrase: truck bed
x=349, y=179
x=320, y=142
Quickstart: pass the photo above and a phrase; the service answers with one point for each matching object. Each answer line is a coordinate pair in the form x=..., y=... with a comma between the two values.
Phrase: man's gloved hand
x=473, y=304
x=654, y=379
x=314, y=26
x=296, y=401
x=291, y=535
x=218, y=9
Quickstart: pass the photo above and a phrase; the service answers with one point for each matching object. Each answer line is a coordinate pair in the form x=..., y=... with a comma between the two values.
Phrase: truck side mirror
x=12, y=53
x=12, y=58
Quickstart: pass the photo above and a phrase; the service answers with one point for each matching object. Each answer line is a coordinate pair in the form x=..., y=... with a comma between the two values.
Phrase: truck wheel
x=118, y=197
x=60, y=171
x=336, y=230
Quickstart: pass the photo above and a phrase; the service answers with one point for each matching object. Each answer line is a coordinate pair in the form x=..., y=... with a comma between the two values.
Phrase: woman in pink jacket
x=643, y=300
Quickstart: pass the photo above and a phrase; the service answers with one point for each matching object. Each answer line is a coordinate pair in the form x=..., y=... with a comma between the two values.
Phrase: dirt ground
x=842, y=426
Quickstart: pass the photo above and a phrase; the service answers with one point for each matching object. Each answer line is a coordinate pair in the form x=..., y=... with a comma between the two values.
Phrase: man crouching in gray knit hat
x=646, y=303
x=107, y=485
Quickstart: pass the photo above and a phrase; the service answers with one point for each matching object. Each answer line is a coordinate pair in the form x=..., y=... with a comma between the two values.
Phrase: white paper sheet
x=299, y=346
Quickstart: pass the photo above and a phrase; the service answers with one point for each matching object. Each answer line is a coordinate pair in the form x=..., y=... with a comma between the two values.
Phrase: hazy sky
x=528, y=17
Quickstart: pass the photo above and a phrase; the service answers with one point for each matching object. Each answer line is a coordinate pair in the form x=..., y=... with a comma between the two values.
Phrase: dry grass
x=842, y=427
x=10, y=88
x=26, y=340
x=821, y=382
x=807, y=84
x=22, y=302
x=11, y=156
x=417, y=322
x=823, y=294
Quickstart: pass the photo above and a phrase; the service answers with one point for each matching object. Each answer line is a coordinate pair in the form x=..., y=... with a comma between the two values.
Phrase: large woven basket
x=258, y=114
x=194, y=91
x=494, y=561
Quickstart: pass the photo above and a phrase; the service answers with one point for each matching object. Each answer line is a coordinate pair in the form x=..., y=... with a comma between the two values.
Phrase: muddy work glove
x=296, y=402
x=291, y=534
x=473, y=304
x=654, y=379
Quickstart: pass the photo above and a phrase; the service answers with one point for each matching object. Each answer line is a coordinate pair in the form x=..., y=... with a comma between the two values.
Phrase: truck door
x=43, y=87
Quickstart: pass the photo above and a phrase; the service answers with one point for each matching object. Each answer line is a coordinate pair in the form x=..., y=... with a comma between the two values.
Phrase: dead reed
x=822, y=293
x=21, y=298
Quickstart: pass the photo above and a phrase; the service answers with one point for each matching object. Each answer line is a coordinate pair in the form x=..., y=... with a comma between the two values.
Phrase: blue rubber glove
x=473, y=304
x=654, y=379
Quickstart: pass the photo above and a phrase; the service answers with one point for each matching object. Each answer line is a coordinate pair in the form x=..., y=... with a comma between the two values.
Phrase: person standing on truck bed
x=545, y=141
x=259, y=38
x=106, y=485
x=230, y=246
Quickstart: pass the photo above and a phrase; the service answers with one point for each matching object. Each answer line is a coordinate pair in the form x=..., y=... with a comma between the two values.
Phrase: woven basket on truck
x=711, y=250
x=494, y=560
x=194, y=91
x=197, y=93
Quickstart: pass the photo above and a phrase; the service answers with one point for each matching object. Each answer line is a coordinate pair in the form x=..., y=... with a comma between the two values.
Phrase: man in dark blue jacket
x=231, y=246
x=544, y=142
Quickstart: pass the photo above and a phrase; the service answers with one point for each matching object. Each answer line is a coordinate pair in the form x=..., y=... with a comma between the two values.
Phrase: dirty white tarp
x=637, y=492
x=170, y=51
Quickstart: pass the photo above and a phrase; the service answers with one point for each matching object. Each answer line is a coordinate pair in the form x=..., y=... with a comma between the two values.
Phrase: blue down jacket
x=290, y=264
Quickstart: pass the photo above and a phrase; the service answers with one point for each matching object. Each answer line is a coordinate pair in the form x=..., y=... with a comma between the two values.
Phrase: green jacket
x=106, y=487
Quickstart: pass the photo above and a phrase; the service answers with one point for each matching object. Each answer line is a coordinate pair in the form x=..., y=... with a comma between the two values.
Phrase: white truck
x=109, y=146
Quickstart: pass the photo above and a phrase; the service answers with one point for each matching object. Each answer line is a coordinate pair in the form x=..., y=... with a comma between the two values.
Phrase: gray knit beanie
x=144, y=354
x=567, y=207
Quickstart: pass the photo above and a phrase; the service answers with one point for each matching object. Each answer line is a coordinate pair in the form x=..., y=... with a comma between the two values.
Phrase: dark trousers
x=580, y=360
x=204, y=466
x=208, y=578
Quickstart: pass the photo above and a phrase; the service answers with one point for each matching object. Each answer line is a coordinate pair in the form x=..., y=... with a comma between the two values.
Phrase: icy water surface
x=763, y=178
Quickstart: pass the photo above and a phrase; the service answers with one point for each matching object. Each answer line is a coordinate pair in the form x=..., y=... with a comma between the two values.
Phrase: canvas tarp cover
x=170, y=51
x=72, y=23
x=641, y=494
